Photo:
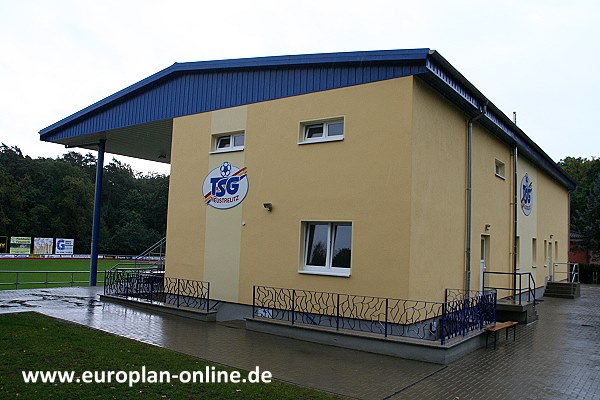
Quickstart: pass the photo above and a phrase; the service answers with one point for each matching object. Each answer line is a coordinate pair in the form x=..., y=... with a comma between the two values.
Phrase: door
x=482, y=262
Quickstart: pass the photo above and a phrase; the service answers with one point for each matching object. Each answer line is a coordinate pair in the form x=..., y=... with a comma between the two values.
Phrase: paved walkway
x=557, y=357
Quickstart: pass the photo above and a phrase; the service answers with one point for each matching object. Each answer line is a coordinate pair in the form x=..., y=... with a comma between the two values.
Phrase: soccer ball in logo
x=225, y=169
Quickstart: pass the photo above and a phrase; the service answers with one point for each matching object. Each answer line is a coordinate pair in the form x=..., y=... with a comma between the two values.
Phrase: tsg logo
x=225, y=186
x=526, y=195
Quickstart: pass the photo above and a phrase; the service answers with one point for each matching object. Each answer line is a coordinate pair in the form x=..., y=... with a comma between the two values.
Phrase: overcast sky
x=538, y=58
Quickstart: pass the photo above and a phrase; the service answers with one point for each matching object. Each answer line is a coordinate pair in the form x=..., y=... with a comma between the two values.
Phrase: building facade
x=376, y=173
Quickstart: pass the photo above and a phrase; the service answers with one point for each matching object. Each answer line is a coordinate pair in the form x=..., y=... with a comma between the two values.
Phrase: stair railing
x=518, y=280
x=155, y=254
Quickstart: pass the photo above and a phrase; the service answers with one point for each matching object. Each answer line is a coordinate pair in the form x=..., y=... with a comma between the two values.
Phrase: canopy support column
x=97, y=205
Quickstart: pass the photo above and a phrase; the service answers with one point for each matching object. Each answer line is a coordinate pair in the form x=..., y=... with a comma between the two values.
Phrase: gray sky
x=538, y=58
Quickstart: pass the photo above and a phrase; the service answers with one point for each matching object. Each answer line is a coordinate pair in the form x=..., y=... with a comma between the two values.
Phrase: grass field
x=35, y=342
x=7, y=280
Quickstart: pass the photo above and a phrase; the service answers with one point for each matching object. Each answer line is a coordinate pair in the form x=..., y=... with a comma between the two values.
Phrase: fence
x=377, y=315
x=565, y=272
x=516, y=288
x=45, y=278
x=150, y=284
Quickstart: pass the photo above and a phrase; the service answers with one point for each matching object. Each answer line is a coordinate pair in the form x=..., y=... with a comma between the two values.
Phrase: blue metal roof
x=195, y=87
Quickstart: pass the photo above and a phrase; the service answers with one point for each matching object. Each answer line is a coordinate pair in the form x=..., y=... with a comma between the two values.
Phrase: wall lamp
x=487, y=227
x=268, y=206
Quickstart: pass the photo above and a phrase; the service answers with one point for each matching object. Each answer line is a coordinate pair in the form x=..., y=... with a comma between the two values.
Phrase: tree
x=591, y=217
x=47, y=197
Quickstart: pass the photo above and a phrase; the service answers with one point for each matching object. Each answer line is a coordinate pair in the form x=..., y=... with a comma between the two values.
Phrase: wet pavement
x=557, y=357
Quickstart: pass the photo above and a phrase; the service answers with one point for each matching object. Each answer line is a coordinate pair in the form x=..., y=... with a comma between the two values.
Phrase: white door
x=482, y=263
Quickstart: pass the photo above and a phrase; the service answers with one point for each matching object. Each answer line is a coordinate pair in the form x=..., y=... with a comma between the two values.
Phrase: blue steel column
x=97, y=204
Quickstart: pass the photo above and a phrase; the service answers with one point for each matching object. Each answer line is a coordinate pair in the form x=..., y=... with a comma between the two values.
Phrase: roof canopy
x=137, y=121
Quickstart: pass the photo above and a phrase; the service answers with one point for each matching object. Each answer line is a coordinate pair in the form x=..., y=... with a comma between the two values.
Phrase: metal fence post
x=293, y=304
x=337, y=312
x=46, y=279
x=442, y=327
x=520, y=289
x=207, y=296
x=253, y=301
x=17, y=280
x=177, y=292
x=465, y=316
x=386, y=316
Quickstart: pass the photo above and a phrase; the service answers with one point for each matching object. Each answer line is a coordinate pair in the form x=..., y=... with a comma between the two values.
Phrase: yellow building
x=382, y=173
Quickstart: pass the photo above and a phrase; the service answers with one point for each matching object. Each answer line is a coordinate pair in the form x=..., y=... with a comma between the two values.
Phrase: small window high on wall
x=228, y=142
x=322, y=131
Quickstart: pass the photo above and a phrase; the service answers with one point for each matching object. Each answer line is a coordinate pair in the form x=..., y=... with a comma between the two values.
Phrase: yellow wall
x=224, y=227
x=492, y=205
x=553, y=220
x=362, y=179
x=186, y=217
x=399, y=176
x=437, y=237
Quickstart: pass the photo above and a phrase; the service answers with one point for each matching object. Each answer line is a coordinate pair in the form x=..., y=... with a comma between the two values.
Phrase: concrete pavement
x=557, y=357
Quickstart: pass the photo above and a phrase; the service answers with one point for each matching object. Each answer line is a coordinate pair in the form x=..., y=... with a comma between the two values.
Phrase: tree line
x=46, y=197
x=585, y=200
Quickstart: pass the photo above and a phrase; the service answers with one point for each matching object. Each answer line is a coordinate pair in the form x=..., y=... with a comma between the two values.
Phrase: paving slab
x=557, y=357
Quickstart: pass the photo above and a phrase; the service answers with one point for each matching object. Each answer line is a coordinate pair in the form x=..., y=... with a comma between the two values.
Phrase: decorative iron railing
x=472, y=312
x=384, y=316
x=150, y=285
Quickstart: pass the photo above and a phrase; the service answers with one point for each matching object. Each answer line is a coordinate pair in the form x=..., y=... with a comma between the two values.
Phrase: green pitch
x=29, y=280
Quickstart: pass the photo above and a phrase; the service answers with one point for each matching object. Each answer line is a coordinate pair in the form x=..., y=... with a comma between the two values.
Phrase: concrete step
x=560, y=295
x=563, y=290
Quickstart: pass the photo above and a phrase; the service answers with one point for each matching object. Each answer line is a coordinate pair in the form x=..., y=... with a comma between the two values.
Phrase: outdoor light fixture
x=487, y=227
x=268, y=206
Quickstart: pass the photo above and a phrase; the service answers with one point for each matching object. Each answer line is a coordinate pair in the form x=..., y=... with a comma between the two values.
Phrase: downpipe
x=469, y=191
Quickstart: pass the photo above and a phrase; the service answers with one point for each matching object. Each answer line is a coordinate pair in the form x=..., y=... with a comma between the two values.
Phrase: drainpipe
x=469, y=190
x=97, y=204
x=515, y=214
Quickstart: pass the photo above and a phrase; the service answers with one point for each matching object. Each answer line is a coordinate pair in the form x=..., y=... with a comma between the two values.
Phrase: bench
x=497, y=327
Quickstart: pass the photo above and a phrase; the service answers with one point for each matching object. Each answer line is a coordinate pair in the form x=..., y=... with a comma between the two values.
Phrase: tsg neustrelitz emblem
x=526, y=195
x=225, y=186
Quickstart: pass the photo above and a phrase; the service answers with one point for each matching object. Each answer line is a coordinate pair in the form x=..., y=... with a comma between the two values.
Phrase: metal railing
x=154, y=255
x=45, y=278
x=570, y=273
x=377, y=315
x=518, y=288
x=150, y=285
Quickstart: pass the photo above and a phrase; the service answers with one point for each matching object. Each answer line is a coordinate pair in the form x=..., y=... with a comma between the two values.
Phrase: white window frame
x=326, y=137
x=217, y=137
x=499, y=165
x=327, y=269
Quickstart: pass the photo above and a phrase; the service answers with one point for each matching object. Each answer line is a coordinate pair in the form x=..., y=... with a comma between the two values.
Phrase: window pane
x=342, y=243
x=316, y=244
x=335, y=129
x=238, y=140
x=223, y=142
x=314, y=131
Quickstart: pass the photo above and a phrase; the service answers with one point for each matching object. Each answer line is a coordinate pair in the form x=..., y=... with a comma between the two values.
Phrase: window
x=325, y=131
x=500, y=169
x=327, y=248
x=229, y=142
x=534, y=253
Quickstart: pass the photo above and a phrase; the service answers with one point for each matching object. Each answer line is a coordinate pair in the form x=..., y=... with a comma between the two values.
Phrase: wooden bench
x=497, y=327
